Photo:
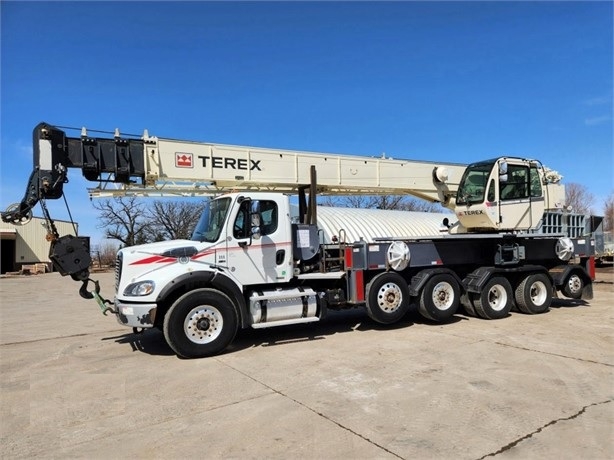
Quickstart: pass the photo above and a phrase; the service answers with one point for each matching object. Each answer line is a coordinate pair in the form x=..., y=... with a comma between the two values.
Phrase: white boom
x=175, y=167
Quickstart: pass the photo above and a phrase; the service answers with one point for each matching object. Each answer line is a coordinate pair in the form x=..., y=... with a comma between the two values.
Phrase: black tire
x=467, y=304
x=439, y=298
x=534, y=294
x=495, y=301
x=200, y=323
x=573, y=286
x=387, y=298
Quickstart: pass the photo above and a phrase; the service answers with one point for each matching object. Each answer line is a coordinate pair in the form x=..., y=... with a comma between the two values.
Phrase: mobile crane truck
x=254, y=262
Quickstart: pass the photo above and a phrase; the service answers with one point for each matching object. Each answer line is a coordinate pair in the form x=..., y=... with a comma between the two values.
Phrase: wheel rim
x=389, y=297
x=539, y=293
x=443, y=296
x=574, y=283
x=203, y=324
x=497, y=298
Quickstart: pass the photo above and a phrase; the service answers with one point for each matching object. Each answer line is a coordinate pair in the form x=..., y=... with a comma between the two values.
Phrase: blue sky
x=458, y=81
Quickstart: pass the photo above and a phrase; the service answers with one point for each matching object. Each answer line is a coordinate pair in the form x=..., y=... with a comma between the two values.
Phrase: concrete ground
x=75, y=384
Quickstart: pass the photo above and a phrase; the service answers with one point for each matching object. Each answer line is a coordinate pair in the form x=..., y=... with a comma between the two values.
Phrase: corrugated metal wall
x=377, y=223
x=31, y=245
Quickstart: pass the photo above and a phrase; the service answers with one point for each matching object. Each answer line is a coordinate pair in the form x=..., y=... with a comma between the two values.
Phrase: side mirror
x=502, y=178
x=503, y=169
x=255, y=219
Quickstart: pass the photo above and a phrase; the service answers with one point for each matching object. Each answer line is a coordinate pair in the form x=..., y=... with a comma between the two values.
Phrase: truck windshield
x=473, y=184
x=211, y=221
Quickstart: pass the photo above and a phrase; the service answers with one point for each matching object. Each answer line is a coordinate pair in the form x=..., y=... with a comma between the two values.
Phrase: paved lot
x=77, y=385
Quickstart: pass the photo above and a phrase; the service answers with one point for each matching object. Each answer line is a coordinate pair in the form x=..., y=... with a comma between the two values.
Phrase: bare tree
x=105, y=253
x=124, y=219
x=173, y=220
x=579, y=198
x=608, y=213
x=401, y=202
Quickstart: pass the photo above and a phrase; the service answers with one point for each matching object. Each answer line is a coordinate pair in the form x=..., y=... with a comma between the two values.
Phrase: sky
x=437, y=81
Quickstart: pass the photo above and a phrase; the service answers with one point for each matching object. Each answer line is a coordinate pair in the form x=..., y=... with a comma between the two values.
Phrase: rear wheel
x=534, y=294
x=439, y=298
x=387, y=298
x=200, y=323
x=573, y=286
x=495, y=301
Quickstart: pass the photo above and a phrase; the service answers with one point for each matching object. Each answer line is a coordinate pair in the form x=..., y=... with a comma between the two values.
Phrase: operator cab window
x=517, y=185
x=268, y=221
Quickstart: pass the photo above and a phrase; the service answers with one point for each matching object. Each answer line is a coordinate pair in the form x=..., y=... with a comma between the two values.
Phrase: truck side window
x=268, y=222
x=268, y=211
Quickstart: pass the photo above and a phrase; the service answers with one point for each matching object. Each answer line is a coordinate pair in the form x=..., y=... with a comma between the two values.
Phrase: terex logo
x=470, y=213
x=183, y=160
x=230, y=163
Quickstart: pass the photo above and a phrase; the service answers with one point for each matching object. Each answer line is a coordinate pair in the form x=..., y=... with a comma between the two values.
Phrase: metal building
x=27, y=244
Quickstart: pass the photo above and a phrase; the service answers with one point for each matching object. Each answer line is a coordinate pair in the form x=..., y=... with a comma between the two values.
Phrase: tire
x=387, y=298
x=200, y=323
x=495, y=301
x=439, y=298
x=467, y=305
x=573, y=286
x=534, y=294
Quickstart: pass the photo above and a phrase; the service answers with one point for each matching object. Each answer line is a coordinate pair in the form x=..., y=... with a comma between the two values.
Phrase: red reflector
x=591, y=267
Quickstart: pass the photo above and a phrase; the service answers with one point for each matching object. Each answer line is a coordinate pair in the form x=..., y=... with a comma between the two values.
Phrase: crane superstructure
x=254, y=262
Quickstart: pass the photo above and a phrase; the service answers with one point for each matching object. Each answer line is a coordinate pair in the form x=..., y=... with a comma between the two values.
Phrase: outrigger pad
x=71, y=256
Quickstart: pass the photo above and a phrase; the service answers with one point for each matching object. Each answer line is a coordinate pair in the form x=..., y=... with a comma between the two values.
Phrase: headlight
x=140, y=289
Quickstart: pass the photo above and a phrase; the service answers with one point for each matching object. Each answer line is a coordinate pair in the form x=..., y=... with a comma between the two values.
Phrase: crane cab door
x=520, y=195
x=258, y=242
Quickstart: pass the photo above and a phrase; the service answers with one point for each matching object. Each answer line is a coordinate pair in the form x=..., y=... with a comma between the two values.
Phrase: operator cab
x=503, y=194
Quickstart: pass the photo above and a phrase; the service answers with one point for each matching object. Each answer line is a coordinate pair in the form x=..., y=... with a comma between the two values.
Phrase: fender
x=193, y=280
x=475, y=281
x=561, y=273
x=419, y=280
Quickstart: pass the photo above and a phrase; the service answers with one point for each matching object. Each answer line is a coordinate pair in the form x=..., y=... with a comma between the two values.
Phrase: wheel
x=439, y=298
x=200, y=323
x=534, y=294
x=387, y=298
x=573, y=286
x=495, y=300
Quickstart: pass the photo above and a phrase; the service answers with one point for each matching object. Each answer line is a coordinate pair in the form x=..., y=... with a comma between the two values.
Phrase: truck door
x=267, y=259
x=521, y=197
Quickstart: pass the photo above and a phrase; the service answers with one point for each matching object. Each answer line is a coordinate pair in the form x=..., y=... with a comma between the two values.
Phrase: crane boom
x=157, y=166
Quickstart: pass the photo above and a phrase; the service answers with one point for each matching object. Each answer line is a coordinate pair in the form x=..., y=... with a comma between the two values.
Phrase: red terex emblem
x=183, y=160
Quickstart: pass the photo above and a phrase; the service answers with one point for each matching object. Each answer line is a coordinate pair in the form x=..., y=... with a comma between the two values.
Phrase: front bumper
x=136, y=314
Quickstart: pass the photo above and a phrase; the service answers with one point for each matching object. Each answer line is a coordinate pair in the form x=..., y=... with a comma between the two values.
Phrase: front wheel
x=200, y=323
x=387, y=298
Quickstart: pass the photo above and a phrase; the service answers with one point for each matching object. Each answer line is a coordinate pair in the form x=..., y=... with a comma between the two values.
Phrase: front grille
x=118, y=270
